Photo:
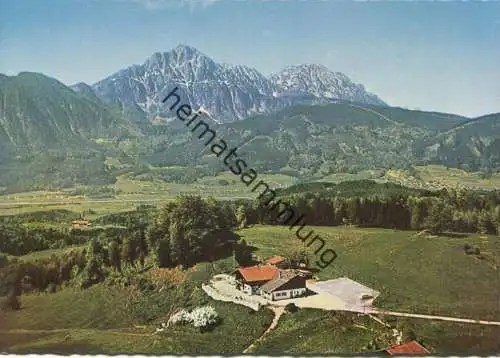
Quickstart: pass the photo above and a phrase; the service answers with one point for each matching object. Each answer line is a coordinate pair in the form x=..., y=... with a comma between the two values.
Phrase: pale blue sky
x=442, y=56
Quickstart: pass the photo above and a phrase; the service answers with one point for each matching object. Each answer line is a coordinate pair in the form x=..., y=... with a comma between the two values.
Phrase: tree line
x=457, y=210
x=17, y=239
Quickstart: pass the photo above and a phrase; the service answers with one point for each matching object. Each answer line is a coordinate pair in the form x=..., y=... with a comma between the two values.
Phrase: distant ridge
x=53, y=136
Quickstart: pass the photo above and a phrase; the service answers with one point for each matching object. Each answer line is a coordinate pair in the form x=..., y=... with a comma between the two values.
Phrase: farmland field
x=131, y=192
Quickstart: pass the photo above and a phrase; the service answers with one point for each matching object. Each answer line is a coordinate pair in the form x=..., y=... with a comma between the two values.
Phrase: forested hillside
x=48, y=132
x=474, y=144
x=53, y=137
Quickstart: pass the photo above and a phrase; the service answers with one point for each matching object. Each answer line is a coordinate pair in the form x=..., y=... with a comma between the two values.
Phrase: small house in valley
x=81, y=223
x=271, y=282
x=285, y=285
x=251, y=279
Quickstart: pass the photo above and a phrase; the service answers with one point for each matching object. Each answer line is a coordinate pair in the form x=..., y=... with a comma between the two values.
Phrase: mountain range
x=225, y=92
x=304, y=121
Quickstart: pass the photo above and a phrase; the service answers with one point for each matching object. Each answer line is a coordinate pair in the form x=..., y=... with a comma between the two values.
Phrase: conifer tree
x=177, y=247
x=241, y=216
x=440, y=217
x=163, y=253
x=243, y=253
x=114, y=255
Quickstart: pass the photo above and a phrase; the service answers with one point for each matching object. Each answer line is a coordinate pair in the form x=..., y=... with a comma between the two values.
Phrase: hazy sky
x=442, y=56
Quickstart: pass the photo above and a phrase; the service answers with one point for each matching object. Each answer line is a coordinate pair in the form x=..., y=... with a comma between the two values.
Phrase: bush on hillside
x=204, y=317
x=411, y=335
x=4, y=261
x=10, y=303
x=291, y=307
x=145, y=285
x=51, y=288
x=469, y=250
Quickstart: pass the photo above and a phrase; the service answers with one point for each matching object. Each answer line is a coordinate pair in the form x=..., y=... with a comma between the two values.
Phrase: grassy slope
x=103, y=319
x=457, y=177
x=439, y=176
x=317, y=332
x=46, y=254
x=453, y=338
x=414, y=273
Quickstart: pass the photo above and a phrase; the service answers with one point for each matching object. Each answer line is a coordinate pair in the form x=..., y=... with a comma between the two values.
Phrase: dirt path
x=69, y=330
x=377, y=113
x=439, y=318
x=385, y=324
x=278, y=311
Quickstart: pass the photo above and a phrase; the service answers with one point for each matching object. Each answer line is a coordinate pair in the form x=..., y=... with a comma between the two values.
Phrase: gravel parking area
x=322, y=301
x=350, y=292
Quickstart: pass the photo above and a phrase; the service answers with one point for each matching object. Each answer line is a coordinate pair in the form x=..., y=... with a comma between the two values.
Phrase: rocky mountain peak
x=180, y=55
x=319, y=81
x=227, y=92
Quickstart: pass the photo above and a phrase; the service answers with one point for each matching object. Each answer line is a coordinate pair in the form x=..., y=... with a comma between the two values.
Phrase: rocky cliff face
x=319, y=81
x=226, y=92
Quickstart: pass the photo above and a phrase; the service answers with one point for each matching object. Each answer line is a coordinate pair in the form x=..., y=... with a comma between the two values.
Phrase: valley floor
x=130, y=192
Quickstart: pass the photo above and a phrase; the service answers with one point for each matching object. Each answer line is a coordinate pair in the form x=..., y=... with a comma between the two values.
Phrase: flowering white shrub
x=204, y=316
x=200, y=317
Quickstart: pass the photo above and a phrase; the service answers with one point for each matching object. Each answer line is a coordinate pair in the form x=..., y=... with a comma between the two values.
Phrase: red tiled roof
x=274, y=260
x=258, y=273
x=412, y=347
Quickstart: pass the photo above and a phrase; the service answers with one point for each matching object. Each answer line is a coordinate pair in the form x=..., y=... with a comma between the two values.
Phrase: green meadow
x=110, y=319
x=310, y=331
x=414, y=273
x=127, y=193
